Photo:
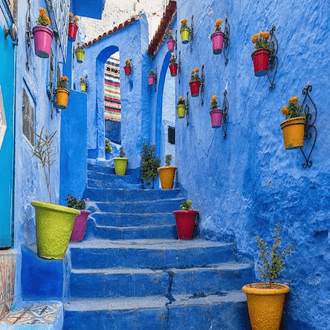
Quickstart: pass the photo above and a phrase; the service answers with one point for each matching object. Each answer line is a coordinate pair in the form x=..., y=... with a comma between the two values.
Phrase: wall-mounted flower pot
x=265, y=304
x=80, y=56
x=151, y=80
x=79, y=226
x=293, y=132
x=185, y=222
x=260, y=59
x=62, y=97
x=72, y=32
x=120, y=165
x=54, y=225
x=185, y=32
x=166, y=174
x=127, y=69
x=83, y=86
x=181, y=110
x=216, y=118
x=170, y=45
x=217, y=42
x=194, y=87
x=43, y=37
x=173, y=69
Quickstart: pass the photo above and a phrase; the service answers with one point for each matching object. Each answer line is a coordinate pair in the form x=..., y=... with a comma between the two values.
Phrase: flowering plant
x=261, y=40
x=184, y=24
x=128, y=62
x=217, y=25
x=172, y=60
x=108, y=146
x=170, y=37
x=73, y=19
x=186, y=205
x=63, y=82
x=82, y=79
x=181, y=100
x=151, y=72
x=43, y=19
x=214, y=103
x=194, y=75
x=293, y=110
x=80, y=48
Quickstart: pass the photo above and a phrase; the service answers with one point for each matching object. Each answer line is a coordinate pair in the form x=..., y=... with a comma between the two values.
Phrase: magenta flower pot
x=151, y=80
x=79, y=226
x=43, y=37
x=170, y=45
x=217, y=42
x=216, y=118
x=72, y=31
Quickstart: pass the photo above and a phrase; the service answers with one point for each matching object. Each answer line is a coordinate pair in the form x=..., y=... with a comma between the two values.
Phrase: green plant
x=168, y=159
x=63, y=82
x=183, y=25
x=152, y=72
x=186, y=205
x=149, y=163
x=214, y=103
x=44, y=151
x=294, y=109
x=181, y=100
x=195, y=75
x=108, y=146
x=74, y=203
x=43, y=19
x=121, y=152
x=271, y=260
x=172, y=59
x=261, y=40
x=80, y=48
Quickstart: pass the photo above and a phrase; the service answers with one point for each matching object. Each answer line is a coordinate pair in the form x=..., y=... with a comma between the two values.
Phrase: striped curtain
x=112, y=103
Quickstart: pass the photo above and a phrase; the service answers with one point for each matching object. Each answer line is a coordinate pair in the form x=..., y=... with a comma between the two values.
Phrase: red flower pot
x=170, y=45
x=260, y=59
x=216, y=118
x=185, y=222
x=79, y=227
x=174, y=69
x=194, y=87
x=127, y=69
x=72, y=32
x=217, y=42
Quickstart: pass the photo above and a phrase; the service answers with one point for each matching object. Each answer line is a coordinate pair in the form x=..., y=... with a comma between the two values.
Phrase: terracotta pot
x=217, y=42
x=265, y=305
x=194, y=87
x=43, y=37
x=181, y=110
x=127, y=70
x=185, y=222
x=293, y=132
x=260, y=59
x=72, y=32
x=170, y=45
x=62, y=97
x=167, y=174
x=216, y=118
x=79, y=227
x=174, y=69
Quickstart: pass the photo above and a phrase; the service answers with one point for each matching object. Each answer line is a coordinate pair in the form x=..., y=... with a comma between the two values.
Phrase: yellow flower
x=71, y=14
x=42, y=11
x=62, y=79
x=266, y=35
x=214, y=97
x=261, y=33
x=76, y=18
x=218, y=22
x=196, y=70
x=65, y=78
x=47, y=20
x=255, y=38
x=285, y=111
x=192, y=71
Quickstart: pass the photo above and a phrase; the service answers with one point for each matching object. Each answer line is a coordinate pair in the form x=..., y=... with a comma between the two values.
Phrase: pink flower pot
x=72, y=32
x=170, y=45
x=194, y=87
x=151, y=80
x=216, y=118
x=79, y=227
x=260, y=59
x=43, y=37
x=174, y=69
x=217, y=42
x=185, y=222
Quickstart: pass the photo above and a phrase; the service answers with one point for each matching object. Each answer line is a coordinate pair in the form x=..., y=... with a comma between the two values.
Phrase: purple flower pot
x=170, y=45
x=217, y=42
x=79, y=227
x=216, y=118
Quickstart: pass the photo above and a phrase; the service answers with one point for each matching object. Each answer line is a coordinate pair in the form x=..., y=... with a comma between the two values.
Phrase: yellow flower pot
x=265, y=305
x=181, y=110
x=83, y=86
x=185, y=33
x=120, y=165
x=293, y=132
x=62, y=97
x=167, y=174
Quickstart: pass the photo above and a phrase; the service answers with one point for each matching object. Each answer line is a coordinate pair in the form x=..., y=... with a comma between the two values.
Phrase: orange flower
x=218, y=22
x=42, y=11
x=76, y=18
x=62, y=79
x=196, y=70
x=266, y=35
x=285, y=111
x=170, y=32
x=255, y=38
x=78, y=43
x=261, y=33
x=294, y=99
x=192, y=71
x=71, y=14
x=65, y=78
x=47, y=20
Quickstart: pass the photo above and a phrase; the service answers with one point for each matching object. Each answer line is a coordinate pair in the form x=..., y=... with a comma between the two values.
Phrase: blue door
x=7, y=82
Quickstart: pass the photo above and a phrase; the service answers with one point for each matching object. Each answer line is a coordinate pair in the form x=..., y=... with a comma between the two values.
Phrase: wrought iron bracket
x=202, y=84
x=176, y=40
x=310, y=133
x=179, y=66
x=28, y=35
x=225, y=108
x=155, y=80
x=191, y=33
x=226, y=41
x=273, y=59
x=187, y=108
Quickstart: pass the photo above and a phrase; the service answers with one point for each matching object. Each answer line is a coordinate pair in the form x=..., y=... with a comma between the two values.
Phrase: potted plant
x=185, y=31
x=293, y=128
x=80, y=52
x=194, y=83
x=73, y=27
x=62, y=93
x=167, y=173
x=128, y=67
x=53, y=222
x=181, y=107
x=170, y=42
x=83, y=84
x=215, y=113
x=185, y=220
x=108, y=149
x=79, y=227
x=151, y=78
x=260, y=56
x=173, y=66
x=42, y=35
x=149, y=165
x=266, y=300
x=120, y=162
x=217, y=38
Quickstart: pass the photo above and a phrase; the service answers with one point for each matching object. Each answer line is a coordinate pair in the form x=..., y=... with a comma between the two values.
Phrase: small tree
x=149, y=163
x=168, y=159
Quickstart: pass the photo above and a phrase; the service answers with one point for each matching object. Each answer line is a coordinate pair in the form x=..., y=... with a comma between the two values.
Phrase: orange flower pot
x=293, y=132
x=166, y=174
x=62, y=97
x=265, y=305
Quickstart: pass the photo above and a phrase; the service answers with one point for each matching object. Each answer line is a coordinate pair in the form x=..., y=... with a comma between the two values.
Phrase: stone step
x=131, y=282
x=131, y=195
x=141, y=207
x=112, y=184
x=108, y=175
x=149, y=253
x=224, y=311
x=139, y=232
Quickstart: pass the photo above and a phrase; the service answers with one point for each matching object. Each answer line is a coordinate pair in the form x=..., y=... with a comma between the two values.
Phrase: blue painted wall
x=244, y=185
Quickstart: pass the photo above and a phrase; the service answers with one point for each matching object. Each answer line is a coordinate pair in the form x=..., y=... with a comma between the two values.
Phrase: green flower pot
x=181, y=110
x=54, y=225
x=120, y=165
x=185, y=32
x=80, y=56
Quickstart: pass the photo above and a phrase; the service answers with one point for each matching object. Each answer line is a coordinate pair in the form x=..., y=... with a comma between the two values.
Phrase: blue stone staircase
x=131, y=272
